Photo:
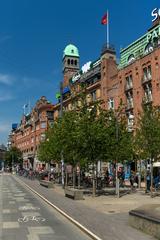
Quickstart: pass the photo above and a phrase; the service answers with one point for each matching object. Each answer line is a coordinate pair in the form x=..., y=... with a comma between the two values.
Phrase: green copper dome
x=71, y=50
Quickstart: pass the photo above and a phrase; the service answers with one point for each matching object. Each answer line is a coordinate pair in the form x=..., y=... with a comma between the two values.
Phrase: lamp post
x=61, y=114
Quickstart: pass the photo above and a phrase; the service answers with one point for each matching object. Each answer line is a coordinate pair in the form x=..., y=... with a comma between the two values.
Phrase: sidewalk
x=105, y=216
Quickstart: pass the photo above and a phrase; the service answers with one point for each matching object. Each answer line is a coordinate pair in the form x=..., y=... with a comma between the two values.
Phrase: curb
x=84, y=229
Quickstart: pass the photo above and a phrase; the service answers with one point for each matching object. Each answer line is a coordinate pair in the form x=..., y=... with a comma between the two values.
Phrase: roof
x=71, y=50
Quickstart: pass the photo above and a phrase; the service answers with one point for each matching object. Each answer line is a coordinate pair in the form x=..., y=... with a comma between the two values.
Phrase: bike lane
x=25, y=216
x=105, y=226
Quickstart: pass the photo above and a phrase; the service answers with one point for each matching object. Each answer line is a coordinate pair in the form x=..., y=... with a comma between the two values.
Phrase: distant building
x=31, y=131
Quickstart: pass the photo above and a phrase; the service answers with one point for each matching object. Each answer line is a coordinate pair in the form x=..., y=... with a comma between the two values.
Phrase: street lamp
x=61, y=114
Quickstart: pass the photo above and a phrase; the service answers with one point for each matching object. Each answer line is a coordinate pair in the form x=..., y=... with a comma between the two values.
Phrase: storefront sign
x=155, y=13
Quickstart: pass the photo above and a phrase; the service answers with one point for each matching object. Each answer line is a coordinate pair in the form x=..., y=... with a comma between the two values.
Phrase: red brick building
x=134, y=80
x=31, y=131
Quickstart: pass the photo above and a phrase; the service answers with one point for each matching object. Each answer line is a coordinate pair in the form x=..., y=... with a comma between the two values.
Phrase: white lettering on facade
x=155, y=13
x=76, y=77
x=154, y=34
x=86, y=67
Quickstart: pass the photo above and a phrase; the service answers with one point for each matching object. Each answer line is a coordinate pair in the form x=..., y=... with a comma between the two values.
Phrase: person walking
x=148, y=179
x=132, y=178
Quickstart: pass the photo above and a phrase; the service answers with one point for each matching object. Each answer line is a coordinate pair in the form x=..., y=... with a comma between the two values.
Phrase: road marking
x=37, y=219
x=6, y=211
x=10, y=225
x=26, y=208
x=79, y=225
x=35, y=231
x=21, y=199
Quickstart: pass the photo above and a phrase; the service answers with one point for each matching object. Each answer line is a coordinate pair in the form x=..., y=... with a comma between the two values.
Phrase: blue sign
x=14, y=126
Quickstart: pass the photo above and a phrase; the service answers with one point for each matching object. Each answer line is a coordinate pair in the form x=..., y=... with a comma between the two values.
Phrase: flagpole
x=107, y=30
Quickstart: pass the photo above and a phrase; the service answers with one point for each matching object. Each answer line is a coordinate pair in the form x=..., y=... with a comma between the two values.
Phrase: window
x=148, y=48
x=111, y=103
x=129, y=96
x=43, y=124
x=68, y=61
x=131, y=58
x=148, y=93
x=93, y=94
x=129, y=82
x=50, y=115
x=147, y=73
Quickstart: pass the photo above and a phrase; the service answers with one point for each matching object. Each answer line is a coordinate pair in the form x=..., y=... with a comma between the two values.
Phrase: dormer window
x=131, y=58
x=148, y=48
x=72, y=51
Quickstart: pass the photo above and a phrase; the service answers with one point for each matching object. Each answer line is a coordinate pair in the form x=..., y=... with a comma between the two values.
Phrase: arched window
x=75, y=62
x=155, y=42
x=148, y=48
x=131, y=58
x=68, y=61
x=72, y=62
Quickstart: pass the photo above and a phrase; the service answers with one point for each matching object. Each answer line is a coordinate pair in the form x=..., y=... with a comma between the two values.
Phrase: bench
x=73, y=193
x=46, y=183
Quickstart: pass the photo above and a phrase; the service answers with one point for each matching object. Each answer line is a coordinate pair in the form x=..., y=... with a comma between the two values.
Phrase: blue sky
x=34, y=33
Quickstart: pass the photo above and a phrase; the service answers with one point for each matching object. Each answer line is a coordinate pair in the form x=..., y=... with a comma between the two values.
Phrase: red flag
x=104, y=20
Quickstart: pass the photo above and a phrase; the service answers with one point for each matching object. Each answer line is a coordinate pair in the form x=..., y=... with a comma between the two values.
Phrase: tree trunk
x=145, y=178
x=74, y=177
x=139, y=175
x=79, y=180
x=66, y=180
x=117, y=181
x=94, y=183
x=58, y=173
x=151, y=167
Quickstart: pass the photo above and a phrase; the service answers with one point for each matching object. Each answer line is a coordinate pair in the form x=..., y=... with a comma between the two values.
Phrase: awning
x=66, y=90
x=156, y=164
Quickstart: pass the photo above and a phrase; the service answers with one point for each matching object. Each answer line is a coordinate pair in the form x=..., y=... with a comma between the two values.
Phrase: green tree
x=118, y=141
x=13, y=157
x=147, y=138
x=62, y=139
x=92, y=135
